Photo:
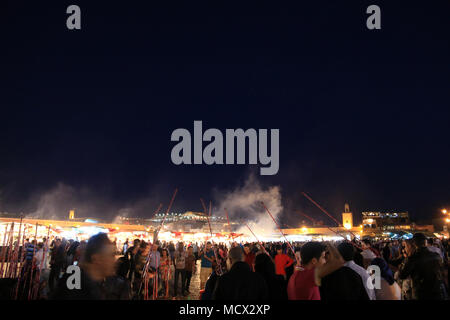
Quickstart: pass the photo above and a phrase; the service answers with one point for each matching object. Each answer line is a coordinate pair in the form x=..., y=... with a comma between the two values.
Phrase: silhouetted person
x=275, y=283
x=97, y=265
x=425, y=269
x=240, y=282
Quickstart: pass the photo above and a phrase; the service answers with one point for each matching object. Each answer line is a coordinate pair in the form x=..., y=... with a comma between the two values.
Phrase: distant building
x=191, y=221
x=133, y=221
x=347, y=217
x=385, y=221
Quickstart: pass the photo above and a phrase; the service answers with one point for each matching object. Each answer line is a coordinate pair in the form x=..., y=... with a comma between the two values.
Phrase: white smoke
x=59, y=200
x=53, y=203
x=56, y=203
x=244, y=205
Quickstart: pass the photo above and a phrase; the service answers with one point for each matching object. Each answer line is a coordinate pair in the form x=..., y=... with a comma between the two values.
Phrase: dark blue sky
x=363, y=115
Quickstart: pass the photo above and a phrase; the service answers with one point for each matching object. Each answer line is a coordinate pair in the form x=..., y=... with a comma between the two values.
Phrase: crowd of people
x=414, y=269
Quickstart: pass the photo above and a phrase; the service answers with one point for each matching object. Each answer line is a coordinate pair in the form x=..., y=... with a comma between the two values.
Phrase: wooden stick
x=219, y=266
x=325, y=227
x=324, y=211
x=209, y=222
x=22, y=255
x=289, y=244
x=170, y=206
x=13, y=269
x=204, y=207
x=228, y=219
x=147, y=262
x=340, y=235
x=210, y=231
x=155, y=236
x=3, y=253
x=32, y=264
x=9, y=255
x=38, y=271
x=264, y=249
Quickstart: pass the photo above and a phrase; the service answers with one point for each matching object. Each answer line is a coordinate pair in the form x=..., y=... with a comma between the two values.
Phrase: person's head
x=386, y=272
x=365, y=244
x=136, y=242
x=190, y=250
x=236, y=254
x=279, y=250
x=313, y=253
x=144, y=248
x=164, y=253
x=419, y=240
x=264, y=265
x=430, y=242
x=247, y=248
x=155, y=246
x=208, y=245
x=100, y=255
x=81, y=248
x=346, y=250
x=121, y=267
x=180, y=246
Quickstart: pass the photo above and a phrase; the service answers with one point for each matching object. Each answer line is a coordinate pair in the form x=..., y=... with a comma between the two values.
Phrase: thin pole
x=38, y=272
x=21, y=258
x=3, y=253
x=228, y=219
x=10, y=249
x=210, y=231
x=325, y=211
x=326, y=227
x=13, y=269
x=32, y=264
x=356, y=246
x=264, y=249
x=170, y=206
x=289, y=244
x=322, y=209
x=144, y=272
x=219, y=266
x=157, y=230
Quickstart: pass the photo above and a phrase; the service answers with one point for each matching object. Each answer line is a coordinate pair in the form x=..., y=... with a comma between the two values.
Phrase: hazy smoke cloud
x=56, y=203
x=244, y=204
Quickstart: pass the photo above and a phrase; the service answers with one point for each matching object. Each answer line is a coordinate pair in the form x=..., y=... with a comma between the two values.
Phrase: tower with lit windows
x=347, y=217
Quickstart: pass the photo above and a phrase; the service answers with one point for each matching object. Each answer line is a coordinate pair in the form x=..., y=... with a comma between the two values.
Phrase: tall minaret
x=347, y=217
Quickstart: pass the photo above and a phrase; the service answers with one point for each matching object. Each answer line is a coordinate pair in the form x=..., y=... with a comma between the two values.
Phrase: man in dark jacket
x=130, y=256
x=240, y=282
x=89, y=283
x=343, y=284
x=425, y=269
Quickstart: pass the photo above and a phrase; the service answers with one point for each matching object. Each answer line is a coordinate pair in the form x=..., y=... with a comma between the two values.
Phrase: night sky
x=363, y=114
